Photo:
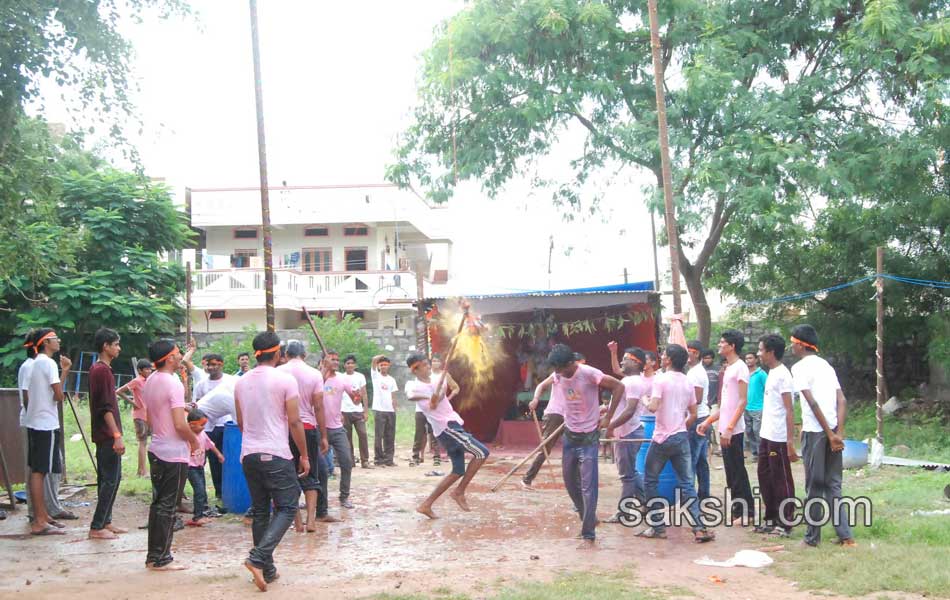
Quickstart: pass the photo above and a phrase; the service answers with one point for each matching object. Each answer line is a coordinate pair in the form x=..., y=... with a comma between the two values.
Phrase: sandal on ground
x=762, y=529
x=66, y=516
x=615, y=518
x=652, y=534
x=848, y=543
x=779, y=531
x=703, y=535
x=48, y=530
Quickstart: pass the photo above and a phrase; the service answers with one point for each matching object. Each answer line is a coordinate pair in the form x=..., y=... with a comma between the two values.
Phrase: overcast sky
x=339, y=83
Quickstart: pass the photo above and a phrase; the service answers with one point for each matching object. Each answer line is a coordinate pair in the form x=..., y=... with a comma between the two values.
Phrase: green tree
x=118, y=277
x=760, y=95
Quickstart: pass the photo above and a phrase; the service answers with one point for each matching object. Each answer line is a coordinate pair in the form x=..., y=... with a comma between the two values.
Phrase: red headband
x=632, y=357
x=162, y=359
x=40, y=341
x=795, y=340
x=258, y=353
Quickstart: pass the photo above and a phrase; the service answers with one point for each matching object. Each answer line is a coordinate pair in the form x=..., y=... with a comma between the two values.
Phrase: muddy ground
x=383, y=545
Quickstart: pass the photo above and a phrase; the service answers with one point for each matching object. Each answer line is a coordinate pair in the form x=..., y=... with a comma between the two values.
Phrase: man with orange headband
x=447, y=427
x=106, y=431
x=823, y=415
x=699, y=444
x=729, y=414
x=42, y=422
x=172, y=444
x=267, y=403
x=214, y=365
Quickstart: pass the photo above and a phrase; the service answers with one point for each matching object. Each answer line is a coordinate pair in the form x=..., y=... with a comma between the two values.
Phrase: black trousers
x=217, y=436
x=737, y=478
x=384, y=424
x=167, y=479
x=108, y=476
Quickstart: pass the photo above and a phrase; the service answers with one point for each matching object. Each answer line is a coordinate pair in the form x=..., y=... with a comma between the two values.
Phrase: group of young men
x=291, y=415
x=677, y=392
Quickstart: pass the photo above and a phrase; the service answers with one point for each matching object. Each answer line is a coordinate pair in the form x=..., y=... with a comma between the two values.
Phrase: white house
x=336, y=249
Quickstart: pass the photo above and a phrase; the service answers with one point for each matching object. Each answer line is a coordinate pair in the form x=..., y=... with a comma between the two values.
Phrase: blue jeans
x=699, y=451
x=676, y=450
x=270, y=479
x=626, y=456
x=579, y=469
x=199, y=491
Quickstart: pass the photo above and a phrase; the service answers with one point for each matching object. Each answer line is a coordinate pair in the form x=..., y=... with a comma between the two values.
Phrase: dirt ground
x=383, y=545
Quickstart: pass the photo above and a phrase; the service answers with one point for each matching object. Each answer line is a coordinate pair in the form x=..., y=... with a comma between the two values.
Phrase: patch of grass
x=925, y=435
x=590, y=586
x=899, y=551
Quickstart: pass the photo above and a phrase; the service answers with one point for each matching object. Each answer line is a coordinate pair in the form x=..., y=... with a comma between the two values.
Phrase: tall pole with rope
x=262, y=157
x=879, y=354
x=665, y=156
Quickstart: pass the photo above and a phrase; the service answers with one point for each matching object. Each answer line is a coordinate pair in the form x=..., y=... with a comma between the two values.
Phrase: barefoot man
x=447, y=428
x=267, y=405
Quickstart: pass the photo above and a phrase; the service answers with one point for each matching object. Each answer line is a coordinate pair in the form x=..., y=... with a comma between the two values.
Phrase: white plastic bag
x=876, y=458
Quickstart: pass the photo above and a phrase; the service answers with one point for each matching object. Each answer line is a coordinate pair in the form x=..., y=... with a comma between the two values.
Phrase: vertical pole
x=656, y=260
x=422, y=331
x=550, y=253
x=625, y=278
x=188, y=302
x=262, y=157
x=880, y=345
x=665, y=156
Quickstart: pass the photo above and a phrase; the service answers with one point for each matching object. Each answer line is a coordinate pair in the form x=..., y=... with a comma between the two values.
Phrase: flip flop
x=703, y=536
x=48, y=531
x=67, y=516
x=652, y=534
x=57, y=524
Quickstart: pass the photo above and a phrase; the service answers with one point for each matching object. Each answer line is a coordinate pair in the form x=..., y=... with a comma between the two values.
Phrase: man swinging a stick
x=447, y=428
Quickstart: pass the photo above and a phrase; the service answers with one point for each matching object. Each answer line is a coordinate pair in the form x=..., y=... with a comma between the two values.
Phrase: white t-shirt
x=698, y=378
x=23, y=385
x=438, y=417
x=42, y=414
x=810, y=373
x=383, y=388
x=358, y=382
x=203, y=391
x=198, y=375
x=434, y=377
x=633, y=392
x=778, y=382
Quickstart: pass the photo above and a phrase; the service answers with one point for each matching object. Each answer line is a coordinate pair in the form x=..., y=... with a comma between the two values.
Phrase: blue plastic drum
x=236, y=497
x=667, y=483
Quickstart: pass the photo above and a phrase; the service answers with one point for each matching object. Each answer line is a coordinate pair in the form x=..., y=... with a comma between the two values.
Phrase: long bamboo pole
x=547, y=456
x=665, y=156
x=880, y=346
x=451, y=353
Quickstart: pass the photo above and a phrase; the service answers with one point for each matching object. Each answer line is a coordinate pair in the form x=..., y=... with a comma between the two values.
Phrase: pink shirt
x=138, y=404
x=581, y=398
x=556, y=401
x=309, y=380
x=162, y=393
x=676, y=395
x=633, y=385
x=333, y=390
x=438, y=417
x=263, y=393
x=204, y=443
x=729, y=399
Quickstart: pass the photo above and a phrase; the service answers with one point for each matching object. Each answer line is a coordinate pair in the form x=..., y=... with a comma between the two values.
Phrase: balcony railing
x=243, y=288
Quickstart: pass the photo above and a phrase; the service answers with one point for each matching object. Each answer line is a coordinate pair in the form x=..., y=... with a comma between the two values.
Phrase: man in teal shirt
x=753, y=409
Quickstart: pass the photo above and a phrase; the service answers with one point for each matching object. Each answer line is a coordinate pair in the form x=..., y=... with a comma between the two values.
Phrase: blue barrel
x=667, y=483
x=855, y=454
x=235, y=495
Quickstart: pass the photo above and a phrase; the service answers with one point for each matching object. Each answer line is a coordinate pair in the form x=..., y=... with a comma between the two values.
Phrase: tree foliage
x=769, y=103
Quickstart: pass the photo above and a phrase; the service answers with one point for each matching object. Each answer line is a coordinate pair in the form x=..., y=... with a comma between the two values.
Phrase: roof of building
x=588, y=297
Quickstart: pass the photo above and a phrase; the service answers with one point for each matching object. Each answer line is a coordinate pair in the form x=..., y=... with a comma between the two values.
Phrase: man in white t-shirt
x=776, y=439
x=423, y=432
x=627, y=425
x=823, y=415
x=42, y=424
x=356, y=411
x=384, y=412
x=214, y=366
x=699, y=444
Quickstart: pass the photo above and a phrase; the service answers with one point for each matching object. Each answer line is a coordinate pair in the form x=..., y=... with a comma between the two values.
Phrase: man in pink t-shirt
x=171, y=446
x=335, y=384
x=673, y=401
x=627, y=425
x=310, y=388
x=579, y=385
x=429, y=394
x=267, y=405
x=729, y=413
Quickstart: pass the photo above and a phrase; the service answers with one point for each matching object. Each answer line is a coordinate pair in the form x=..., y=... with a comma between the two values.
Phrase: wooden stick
x=553, y=435
x=81, y=432
x=547, y=456
x=448, y=357
x=621, y=441
x=313, y=328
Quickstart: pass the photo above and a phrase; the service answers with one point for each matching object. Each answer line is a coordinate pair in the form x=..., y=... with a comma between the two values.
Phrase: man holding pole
x=447, y=427
x=44, y=455
x=580, y=387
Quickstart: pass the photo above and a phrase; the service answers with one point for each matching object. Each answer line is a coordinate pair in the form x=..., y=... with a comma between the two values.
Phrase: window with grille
x=241, y=259
x=245, y=234
x=316, y=259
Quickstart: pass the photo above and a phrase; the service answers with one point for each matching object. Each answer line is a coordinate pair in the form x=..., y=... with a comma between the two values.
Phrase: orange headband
x=162, y=359
x=40, y=341
x=795, y=340
x=201, y=422
x=633, y=358
x=692, y=351
x=257, y=353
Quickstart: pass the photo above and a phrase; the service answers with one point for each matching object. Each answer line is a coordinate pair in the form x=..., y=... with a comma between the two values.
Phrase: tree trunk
x=694, y=284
